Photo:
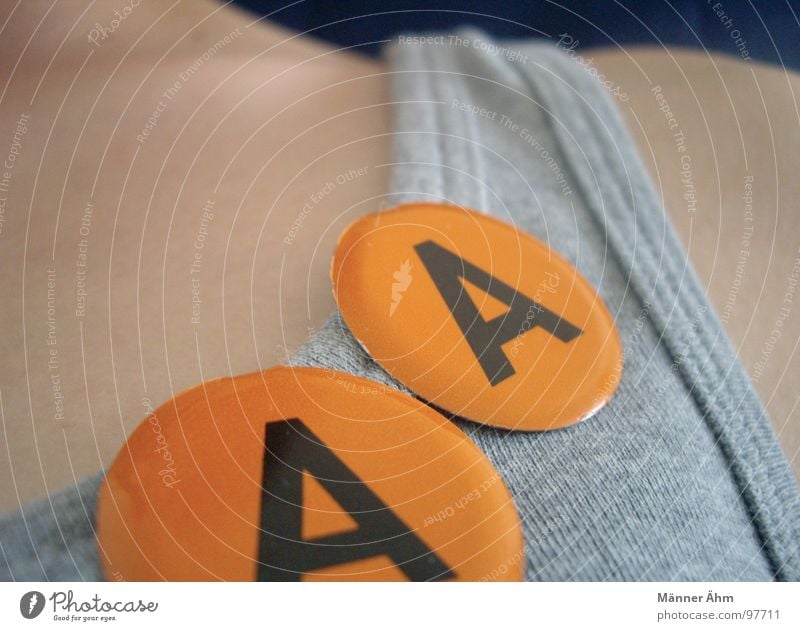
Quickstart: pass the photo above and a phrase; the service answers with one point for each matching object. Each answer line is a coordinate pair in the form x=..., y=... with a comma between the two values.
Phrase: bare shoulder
x=180, y=175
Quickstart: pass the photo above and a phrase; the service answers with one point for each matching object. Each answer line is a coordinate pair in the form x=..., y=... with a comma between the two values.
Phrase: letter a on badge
x=491, y=325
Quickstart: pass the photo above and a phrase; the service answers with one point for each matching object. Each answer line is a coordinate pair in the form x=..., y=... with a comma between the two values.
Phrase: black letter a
x=283, y=555
x=487, y=337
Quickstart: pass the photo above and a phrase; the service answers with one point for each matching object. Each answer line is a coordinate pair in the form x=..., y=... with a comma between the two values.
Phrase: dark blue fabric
x=766, y=31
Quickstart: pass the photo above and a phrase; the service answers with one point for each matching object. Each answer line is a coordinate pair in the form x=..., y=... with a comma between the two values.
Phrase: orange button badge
x=476, y=317
x=304, y=474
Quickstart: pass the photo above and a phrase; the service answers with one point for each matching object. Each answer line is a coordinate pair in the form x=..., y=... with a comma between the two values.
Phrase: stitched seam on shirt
x=750, y=500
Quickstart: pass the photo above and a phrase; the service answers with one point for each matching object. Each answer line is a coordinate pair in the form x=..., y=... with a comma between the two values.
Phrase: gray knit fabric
x=680, y=476
x=53, y=539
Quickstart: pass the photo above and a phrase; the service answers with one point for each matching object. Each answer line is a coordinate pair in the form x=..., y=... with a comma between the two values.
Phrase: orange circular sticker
x=476, y=317
x=304, y=474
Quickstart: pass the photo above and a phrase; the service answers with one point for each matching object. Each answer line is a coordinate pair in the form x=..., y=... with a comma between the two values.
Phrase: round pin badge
x=477, y=317
x=304, y=474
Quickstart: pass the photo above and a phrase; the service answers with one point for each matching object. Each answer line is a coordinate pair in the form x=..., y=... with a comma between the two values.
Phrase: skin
x=261, y=127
